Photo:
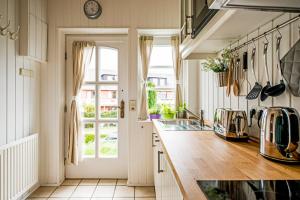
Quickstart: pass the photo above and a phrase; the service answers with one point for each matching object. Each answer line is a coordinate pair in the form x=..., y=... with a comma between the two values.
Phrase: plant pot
x=181, y=115
x=222, y=78
x=168, y=115
x=154, y=116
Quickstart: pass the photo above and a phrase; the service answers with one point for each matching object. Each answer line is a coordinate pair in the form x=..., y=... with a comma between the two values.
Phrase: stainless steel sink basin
x=182, y=125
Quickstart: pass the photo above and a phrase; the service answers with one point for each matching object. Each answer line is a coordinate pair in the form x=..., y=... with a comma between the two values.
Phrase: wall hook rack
x=3, y=30
x=14, y=35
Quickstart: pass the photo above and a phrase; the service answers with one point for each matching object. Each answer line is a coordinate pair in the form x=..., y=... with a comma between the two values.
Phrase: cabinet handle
x=158, y=162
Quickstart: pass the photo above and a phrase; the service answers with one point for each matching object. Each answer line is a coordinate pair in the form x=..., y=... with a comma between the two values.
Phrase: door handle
x=122, y=109
x=158, y=162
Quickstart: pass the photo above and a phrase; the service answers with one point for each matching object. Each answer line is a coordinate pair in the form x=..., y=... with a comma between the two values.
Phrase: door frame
x=121, y=39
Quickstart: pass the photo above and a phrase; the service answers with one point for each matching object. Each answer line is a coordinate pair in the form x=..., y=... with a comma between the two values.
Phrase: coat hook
x=14, y=35
x=3, y=30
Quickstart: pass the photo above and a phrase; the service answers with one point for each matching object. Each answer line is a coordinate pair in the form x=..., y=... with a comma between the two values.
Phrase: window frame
x=163, y=41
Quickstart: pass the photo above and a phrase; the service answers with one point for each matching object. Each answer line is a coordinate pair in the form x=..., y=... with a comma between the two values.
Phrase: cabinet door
x=32, y=35
x=170, y=188
x=157, y=166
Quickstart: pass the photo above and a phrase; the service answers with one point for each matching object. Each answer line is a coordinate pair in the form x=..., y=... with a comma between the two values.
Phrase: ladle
x=263, y=94
x=278, y=89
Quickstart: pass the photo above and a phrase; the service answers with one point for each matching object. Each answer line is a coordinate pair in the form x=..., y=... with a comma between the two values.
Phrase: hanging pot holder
x=290, y=68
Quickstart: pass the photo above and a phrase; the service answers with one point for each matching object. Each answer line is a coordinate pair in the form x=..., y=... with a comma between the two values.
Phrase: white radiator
x=18, y=167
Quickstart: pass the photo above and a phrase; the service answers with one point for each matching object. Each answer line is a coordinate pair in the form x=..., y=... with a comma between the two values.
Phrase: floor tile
x=72, y=182
x=63, y=191
x=144, y=198
x=123, y=199
x=57, y=198
x=122, y=182
x=89, y=182
x=99, y=198
x=144, y=192
x=84, y=191
x=107, y=182
x=79, y=198
x=104, y=191
x=36, y=198
x=43, y=192
x=124, y=191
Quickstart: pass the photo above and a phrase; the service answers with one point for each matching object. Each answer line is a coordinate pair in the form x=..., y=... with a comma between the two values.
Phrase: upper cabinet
x=34, y=28
x=186, y=18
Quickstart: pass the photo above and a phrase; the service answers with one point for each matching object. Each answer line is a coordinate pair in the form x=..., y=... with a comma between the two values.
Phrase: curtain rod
x=267, y=33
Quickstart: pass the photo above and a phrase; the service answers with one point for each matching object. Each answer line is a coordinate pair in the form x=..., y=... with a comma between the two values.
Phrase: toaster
x=231, y=124
x=279, y=137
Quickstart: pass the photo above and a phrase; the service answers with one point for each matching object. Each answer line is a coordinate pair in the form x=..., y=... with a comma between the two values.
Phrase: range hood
x=263, y=5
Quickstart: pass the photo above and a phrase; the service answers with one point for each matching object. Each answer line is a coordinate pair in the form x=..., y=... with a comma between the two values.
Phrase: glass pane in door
x=87, y=105
x=90, y=69
x=108, y=102
x=108, y=137
x=108, y=64
x=88, y=147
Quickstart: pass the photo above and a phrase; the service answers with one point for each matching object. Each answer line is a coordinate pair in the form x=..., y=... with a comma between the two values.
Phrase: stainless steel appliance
x=264, y=5
x=231, y=124
x=250, y=189
x=201, y=16
x=279, y=138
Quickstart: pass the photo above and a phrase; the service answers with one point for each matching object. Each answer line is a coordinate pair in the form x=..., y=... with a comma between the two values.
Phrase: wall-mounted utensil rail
x=266, y=33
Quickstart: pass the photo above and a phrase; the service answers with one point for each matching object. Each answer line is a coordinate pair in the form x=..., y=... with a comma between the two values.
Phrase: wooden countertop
x=201, y=155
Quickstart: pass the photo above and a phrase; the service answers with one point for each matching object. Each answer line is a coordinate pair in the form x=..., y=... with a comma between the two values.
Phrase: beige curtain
x=177, y=68
x=146, y=44
x=82, y=53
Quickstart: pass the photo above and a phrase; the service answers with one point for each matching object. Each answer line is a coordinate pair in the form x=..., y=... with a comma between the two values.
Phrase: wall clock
x=92, y=9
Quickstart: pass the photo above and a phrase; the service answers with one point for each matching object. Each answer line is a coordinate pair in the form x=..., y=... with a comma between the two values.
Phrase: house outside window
x=161, y=75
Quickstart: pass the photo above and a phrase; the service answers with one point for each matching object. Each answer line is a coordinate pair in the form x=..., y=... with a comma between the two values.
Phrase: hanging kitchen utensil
x=229, y=81
x=236, y=88
x=243, y=78
x=263, y=95
x=278, y=89
x=254, y=93
x=290, y=66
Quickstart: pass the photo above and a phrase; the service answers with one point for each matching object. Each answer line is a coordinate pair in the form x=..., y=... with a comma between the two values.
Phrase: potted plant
x=154, y=113
x=167, y=112
x=219, y=66
x=152, y=95
x=181, y=111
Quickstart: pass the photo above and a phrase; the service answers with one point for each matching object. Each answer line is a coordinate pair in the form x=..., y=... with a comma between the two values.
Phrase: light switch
x=132, y=105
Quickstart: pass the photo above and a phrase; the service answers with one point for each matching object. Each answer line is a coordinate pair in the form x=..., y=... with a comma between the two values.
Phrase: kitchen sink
x=183, y=125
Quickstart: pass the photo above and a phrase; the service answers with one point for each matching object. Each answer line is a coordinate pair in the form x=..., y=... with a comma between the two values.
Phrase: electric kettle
x=279, y=138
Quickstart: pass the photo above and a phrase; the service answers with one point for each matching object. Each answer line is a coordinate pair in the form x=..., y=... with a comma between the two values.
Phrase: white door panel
x=104, y=130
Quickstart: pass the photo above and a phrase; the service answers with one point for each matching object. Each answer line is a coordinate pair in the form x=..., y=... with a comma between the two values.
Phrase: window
x=161, y=75
x=98, y=105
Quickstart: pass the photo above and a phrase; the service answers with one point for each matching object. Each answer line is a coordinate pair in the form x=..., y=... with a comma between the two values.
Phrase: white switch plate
x=132, y=105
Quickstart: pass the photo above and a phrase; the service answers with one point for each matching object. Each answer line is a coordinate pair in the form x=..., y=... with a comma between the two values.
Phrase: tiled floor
x=94, y=189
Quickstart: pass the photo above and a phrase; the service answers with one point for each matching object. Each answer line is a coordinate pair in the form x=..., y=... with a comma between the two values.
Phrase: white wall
x=132, y=14
x=212, y=97
x=19, y=95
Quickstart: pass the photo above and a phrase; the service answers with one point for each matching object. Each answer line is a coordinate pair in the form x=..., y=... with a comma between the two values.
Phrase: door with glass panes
x=103, y=97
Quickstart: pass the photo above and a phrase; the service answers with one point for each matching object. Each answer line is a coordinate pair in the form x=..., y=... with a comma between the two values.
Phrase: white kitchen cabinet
x=33, y=31
x=166, y=187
